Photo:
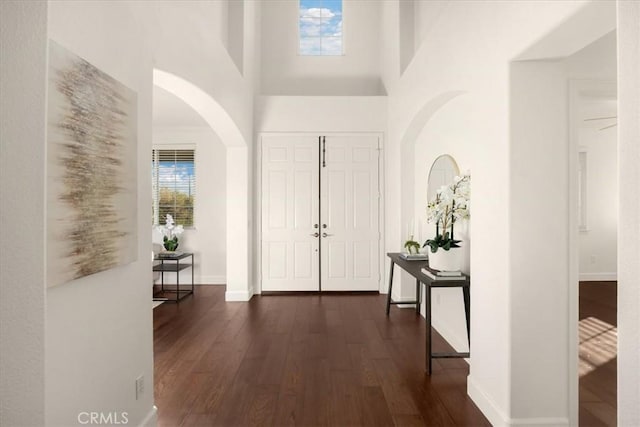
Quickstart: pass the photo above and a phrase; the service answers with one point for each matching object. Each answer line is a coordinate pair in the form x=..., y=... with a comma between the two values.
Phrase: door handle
x=316, y=234
x=326, y=234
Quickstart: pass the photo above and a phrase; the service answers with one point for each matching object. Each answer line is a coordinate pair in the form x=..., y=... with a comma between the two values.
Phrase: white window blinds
x=173, y=186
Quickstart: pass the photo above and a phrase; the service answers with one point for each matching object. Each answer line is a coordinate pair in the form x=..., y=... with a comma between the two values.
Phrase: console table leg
x=390, y=286
x=427, y=300
x=418, y=296
x=178, y=282
x=467, y=310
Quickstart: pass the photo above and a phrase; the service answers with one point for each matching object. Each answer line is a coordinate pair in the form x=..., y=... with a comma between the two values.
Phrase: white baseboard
x=212, y=280
x=485, y=404
x=555, y=422
x=185, y=279
x=497, y=418
x=400, y=300
x=151, y=420
x=458, y=343
x=598, y=277
x=231, y=296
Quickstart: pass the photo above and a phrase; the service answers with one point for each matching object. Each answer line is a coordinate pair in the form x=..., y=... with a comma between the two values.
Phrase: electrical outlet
x=139, y=387
x=593, y=259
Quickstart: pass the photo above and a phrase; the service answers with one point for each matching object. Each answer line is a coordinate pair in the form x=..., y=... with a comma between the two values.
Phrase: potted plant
x=450, y=204
x=412, y=247
x=170, y=233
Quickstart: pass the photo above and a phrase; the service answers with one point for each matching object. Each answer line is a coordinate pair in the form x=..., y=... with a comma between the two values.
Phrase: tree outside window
x=174, y=186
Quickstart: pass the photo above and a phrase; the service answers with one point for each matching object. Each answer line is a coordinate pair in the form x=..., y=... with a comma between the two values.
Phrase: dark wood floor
x=598, y=361
x=302, y=360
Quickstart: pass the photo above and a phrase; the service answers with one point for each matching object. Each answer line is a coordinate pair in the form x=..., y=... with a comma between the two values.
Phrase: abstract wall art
x=91, y=169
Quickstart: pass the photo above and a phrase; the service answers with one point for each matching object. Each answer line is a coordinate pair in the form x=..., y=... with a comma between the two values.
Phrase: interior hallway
x=598, y=353
x=302, y=360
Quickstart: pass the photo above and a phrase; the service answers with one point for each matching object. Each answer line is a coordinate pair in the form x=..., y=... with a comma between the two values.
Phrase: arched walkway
x=237, y=159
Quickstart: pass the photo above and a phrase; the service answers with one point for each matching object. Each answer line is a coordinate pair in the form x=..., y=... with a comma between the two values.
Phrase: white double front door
x=320, y=221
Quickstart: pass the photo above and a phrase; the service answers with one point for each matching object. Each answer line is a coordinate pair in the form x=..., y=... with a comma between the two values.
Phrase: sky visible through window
x=321, y=27
x=179, y=176
x=173, y=185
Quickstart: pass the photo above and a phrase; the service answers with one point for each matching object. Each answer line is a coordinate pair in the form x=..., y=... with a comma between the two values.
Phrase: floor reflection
x=597, y=354
x=598, y=344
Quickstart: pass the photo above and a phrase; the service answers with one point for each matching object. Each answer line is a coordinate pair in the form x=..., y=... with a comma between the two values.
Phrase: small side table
x=170, y=263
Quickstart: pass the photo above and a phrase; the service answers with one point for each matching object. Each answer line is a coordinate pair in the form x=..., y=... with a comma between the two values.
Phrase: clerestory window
x=320, y=28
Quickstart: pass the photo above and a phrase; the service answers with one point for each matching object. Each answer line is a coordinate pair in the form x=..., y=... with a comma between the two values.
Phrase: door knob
x=316, y=234
x=326, y=235
x=324, y=225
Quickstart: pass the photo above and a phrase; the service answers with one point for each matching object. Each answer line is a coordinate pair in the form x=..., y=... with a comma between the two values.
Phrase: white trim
x=573, y=234
x=383, y=284
x=257, y=289
x=234, y=296
x=212, y=280
x=401, y=300
x=151, y=420
x=486, y=405
x=598, y=277
x=539, y=422
x=497, y=418
x=458, y=343
x=575, y=88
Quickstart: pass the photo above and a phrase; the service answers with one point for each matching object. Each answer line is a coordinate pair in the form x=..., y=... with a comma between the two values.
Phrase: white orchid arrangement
x=451, y=204
x=170, y=233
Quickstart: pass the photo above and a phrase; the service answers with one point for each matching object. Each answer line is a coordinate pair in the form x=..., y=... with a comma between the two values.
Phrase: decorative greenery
x=170, y=244
x=450, y=205
x=411, y=245
x=443, y=242
x=170, y=233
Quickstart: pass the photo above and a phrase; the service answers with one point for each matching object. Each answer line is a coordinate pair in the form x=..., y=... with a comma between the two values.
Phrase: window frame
x=321, y=55
x=155, y=193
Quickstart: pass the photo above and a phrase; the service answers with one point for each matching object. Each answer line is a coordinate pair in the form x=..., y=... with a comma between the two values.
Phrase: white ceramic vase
x=442, y=260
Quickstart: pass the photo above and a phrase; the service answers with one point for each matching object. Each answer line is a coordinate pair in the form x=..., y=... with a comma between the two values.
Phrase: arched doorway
x=237, y=178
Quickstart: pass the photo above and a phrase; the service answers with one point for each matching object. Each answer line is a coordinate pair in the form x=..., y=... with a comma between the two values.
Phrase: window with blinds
x=173, y=185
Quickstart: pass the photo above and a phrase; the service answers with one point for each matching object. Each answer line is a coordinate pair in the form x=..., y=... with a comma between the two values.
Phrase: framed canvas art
x=91, y=169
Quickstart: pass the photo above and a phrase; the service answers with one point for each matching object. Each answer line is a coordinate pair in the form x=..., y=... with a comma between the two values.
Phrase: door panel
x=293, y=202
x=349, y=208
x=290, y=260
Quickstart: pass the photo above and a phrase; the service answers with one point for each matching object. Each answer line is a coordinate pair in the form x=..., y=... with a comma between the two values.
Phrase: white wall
x=598, y=243
x=99, y=328
x=207, y=240
x=594, y=69
x=485, y=37
x=314, y=114
x=180, y=34
x=443, y=135
x=23, y=43
x=539, y=276
x=285, y=72
x=325, y=113
x=184, y=47
x=629, y=214
x=540, y=160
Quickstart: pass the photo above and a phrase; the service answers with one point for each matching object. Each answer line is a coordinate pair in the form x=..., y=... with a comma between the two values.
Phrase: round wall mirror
x=442, y=172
